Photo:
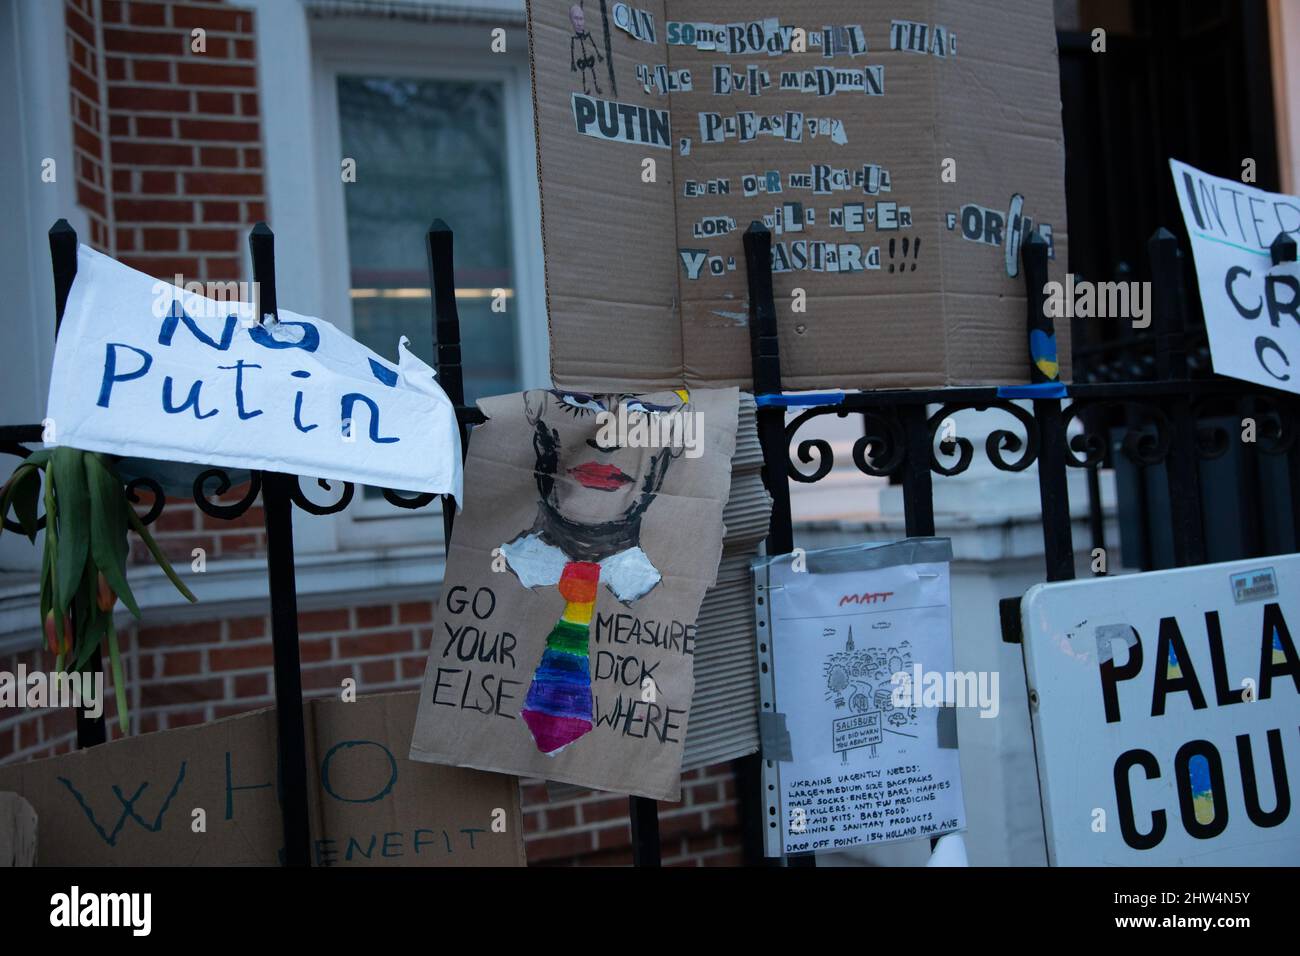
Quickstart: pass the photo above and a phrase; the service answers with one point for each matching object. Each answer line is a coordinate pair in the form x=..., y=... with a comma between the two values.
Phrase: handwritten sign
x=1252, y=307
x=147, y=369
x=206, y=796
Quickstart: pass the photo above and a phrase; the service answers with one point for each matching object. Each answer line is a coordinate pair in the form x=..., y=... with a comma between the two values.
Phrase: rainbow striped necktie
x=557, y=709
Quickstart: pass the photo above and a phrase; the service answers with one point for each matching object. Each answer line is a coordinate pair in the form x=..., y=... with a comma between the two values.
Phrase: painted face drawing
x=591, y=501
x=580, y=61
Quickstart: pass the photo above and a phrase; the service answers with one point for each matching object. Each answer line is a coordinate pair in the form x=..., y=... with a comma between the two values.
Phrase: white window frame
x=300, y=59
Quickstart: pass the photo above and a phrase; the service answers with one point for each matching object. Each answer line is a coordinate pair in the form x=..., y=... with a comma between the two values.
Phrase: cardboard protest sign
x=900, y=155
x=146, y=369
x=1252, y=307
x=17, y=831
x=563, y=643
x=859, y=693
x=137, y=801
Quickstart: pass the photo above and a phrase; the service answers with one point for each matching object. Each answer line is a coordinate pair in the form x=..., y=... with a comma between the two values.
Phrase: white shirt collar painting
x=629, y=574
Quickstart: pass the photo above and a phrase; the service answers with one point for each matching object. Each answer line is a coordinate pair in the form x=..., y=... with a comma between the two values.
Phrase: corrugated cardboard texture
x=17, y=831
x=625, y=314
x=132, y=802
x=494, y=624
x=724, y=710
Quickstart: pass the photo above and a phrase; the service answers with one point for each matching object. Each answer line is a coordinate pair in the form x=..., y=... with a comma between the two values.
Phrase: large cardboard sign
x=860, y=743
x=147, y=369
x=563, y=645
x=206, y=796
x=1166, y=715
x=1252, y=307
x=899, y=154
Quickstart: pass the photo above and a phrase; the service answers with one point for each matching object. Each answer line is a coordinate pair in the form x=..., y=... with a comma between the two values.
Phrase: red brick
x=252, y=685
x=152, y=154
x=178, y=515
x=154, y=127
x=235, y=543
x=148, y=14
x=29, y=732
x=151, y=71
x=136, y=41
x=200, y=632
x=563, y=817
x=119, y=125
x=211, y=240
x=378, y=672
x=254, y=517
x=241, y=50
x=413, y=668
x=153, y=210
x=680, y=824
x=218, y=156
x=226, y=268
x=149, y=98
x=182, y=692
x=564, y=845
x=212, y=19
x=729, y=858
x=126, y=240
x=331, y=676
x=240, y=657
x=157, y=181
x=612, y=838
x=252, y=159
x=246, y=628
x=8, y=740
x=215, y=102
x=254, y=212
x=115, y=68
x=727, y=815
x=81, y=26
x=313, y=652
x=212, y=74
x=604, y=809
x=220, y=212
x=370, y=645
x=182, y=663
x=335, y=619
x=184, y=718
x=532, y=821
x=379, y=615
x=248, y=104
x=417, y=612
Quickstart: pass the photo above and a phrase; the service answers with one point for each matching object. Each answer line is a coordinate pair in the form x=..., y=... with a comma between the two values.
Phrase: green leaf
x=21, y=492
x=92, y=638
x=119, y=685
x=51, y=541
x=39, y=457
x=108, y=507
x=138, y=526
x=74, y=522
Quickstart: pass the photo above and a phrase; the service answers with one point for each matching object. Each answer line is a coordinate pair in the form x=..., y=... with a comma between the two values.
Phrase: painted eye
x=576, y=403
x=647, y=408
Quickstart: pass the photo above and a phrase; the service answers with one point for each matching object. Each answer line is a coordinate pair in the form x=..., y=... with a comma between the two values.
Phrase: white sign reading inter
x=1166, y=714
x=1252, y=307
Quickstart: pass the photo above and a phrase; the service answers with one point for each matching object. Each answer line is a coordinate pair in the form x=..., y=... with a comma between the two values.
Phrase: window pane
x=427, y=149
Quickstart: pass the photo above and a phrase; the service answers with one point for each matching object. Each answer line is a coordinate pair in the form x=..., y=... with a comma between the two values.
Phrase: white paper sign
x=1252, y=307
x=145, y=369
x=872, y=757
x=1165, y=711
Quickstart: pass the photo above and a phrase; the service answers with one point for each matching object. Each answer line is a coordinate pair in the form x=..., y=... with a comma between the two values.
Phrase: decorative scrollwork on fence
x=306, y=504
x=882, y=437
x=415, y=501
x=825, y=457
x=1146, y=440
x=155, y=489
x=999, y=440
x=215, y=508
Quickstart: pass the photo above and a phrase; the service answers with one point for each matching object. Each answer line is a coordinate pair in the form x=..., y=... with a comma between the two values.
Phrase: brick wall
x=169, y=171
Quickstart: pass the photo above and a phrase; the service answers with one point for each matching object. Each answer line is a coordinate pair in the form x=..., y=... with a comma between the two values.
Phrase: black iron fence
x=1159, y=424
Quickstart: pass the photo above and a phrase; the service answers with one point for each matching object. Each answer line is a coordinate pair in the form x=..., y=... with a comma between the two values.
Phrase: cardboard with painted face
x=563, y=645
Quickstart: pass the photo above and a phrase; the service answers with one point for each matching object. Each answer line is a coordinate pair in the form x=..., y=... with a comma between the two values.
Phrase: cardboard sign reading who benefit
x=564, y=638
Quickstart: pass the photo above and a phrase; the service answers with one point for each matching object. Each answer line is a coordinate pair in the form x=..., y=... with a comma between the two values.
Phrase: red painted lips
x=600, y=477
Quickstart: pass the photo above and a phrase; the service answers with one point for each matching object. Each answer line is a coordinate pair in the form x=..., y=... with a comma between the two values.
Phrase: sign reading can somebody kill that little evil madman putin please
x=1252, y=307
x=145, y=369
x=1165, y=708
